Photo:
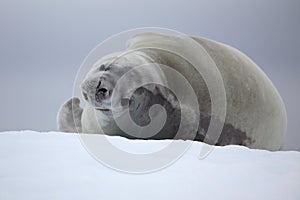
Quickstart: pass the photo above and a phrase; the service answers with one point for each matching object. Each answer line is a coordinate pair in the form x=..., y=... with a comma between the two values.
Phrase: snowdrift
x=55, y=165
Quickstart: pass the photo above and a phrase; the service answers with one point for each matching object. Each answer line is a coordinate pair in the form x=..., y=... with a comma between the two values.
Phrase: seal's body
x=255, y=114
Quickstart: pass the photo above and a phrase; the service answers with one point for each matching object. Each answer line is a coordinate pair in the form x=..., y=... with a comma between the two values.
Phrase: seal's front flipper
x=69, y=116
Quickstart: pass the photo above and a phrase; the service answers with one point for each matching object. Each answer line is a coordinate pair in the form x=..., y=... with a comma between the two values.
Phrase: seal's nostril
x=98, y=86
x=102, y=94
x=103, y=90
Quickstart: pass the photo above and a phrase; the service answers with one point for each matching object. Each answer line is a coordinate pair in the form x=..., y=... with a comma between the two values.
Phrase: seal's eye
x=102, y=67
x=85, y=96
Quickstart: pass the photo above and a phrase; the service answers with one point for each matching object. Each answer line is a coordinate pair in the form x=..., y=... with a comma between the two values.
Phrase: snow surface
x=55, y=165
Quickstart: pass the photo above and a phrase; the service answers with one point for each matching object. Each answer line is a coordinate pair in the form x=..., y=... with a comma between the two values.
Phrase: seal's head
x=102, y=90
x=120, y=91
x=98, y=86
x=123, y=92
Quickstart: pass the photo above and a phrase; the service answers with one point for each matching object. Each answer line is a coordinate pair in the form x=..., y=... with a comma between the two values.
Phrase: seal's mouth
x=103, y=109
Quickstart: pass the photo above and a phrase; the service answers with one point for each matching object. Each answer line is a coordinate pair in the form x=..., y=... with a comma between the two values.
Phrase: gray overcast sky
x=42, y=44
